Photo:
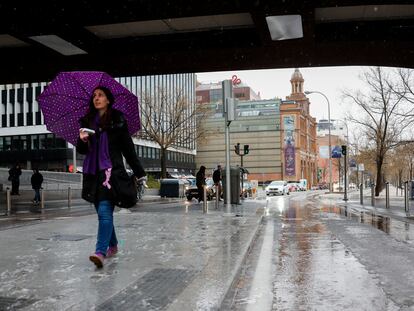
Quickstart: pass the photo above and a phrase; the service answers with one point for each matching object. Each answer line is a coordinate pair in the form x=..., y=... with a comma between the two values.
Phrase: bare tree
x=382, y=116
x=171, y=119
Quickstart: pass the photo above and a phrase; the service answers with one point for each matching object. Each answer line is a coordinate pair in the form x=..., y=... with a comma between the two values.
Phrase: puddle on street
x=400, y=230
x=309, y=266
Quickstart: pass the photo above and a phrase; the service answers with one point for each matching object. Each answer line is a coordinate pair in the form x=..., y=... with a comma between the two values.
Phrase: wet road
x=313, y=256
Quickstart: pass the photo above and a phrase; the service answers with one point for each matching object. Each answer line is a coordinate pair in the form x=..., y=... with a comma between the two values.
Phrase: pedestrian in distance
x=103, y=167
x=200, y=183
x=217, y=181
x=36, y=181
x=14, y=177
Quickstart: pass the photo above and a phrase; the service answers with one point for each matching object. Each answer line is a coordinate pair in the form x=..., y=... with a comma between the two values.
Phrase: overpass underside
x=152, y=37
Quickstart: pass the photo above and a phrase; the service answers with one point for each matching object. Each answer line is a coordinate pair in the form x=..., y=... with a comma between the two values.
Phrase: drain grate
x=154, y=291
x=10, y=303
x=65, y=237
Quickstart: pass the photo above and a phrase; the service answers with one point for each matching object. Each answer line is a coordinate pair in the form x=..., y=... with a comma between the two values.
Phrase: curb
x=222, y=281
x=230, y=292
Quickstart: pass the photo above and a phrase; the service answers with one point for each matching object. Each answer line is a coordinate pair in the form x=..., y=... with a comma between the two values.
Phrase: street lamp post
x=329, y=133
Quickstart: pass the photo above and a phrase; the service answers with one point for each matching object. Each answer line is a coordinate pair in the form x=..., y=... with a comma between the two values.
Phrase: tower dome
x=297, y=76
x=297, y=82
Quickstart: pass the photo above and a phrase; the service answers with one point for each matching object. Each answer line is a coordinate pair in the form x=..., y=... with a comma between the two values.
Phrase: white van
x=303, y=183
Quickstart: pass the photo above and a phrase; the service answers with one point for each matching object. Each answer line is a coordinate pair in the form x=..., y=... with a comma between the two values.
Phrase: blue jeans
x=37, y=195
x=106, y=231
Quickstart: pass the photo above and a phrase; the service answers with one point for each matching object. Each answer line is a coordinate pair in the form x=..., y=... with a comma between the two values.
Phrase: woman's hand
x=84, y=136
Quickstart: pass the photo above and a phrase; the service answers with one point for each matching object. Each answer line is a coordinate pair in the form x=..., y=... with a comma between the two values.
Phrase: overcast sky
x=276, y=83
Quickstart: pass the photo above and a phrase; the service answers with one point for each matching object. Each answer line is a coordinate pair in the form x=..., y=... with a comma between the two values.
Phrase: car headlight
x=186, y=188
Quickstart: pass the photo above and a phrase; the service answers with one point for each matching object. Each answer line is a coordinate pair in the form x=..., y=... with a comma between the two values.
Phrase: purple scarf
x=98, y=157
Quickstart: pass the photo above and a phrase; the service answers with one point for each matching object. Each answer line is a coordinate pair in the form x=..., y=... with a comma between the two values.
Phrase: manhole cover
x=65, y=237
x=154, y=291
x=10, y=303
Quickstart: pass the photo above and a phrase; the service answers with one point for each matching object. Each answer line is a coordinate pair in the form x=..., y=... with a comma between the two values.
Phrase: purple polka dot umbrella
x=66, y=100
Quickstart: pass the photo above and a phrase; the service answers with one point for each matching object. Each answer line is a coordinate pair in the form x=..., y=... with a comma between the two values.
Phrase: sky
x=273, y=83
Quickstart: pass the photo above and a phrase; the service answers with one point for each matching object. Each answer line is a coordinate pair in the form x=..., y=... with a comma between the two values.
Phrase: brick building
x=298, y=137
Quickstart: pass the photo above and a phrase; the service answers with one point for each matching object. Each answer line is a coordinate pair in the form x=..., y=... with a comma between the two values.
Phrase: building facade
x=25, y=139
x=213, y=93
x=298, y=137
x=257, y=125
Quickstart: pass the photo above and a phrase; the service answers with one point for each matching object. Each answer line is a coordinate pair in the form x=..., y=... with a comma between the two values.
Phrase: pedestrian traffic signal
x=246, y=149
x=344, y=149
x=237, y=148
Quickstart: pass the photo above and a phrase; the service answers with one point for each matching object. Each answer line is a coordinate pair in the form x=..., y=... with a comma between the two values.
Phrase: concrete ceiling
x=127, y=37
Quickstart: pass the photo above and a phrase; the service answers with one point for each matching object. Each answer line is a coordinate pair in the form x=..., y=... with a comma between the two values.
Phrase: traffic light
x=237, y=148
x=246, y=149
x=344, y=149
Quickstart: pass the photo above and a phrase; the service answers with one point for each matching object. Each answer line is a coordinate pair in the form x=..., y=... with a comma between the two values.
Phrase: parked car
x=191, y=190
x=293, y=186
x=277, y=187
x=247, y=189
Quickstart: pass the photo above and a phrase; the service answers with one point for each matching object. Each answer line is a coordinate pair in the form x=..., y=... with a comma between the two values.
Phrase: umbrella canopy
x=66, y=100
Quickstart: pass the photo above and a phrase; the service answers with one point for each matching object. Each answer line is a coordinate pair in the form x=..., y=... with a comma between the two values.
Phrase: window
x=42, y=141
x=140, y=151
x=7, y=143
x=12, y=95
x=20, y=95
x=4, y=96
x=34, y=142
x=29, y=95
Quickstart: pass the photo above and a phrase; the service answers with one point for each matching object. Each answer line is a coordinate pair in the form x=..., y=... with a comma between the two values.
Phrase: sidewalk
x=395, y=211
x=172, y=257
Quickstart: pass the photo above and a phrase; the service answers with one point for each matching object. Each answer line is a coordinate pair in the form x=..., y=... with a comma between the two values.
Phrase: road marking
x=261, y=292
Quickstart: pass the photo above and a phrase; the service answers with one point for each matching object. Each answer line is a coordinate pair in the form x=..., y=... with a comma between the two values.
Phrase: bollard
x=387, y=195
x=8, y=202
x=42, y=200
x=406, y=202
x=205, y=208
x=69, y=197
x=361, y=194
x=217, y=196
x=373, y=194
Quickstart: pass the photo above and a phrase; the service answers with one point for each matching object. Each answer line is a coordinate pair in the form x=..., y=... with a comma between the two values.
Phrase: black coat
x=14, y=174
x=119, y=143
x=36, y=180
x=200, y=179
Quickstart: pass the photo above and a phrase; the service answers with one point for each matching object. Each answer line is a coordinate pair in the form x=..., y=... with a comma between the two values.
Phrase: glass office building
x=24, y=138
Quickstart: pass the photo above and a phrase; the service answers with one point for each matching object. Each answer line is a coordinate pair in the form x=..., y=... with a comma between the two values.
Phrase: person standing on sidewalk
x=36, y=181
x=201, y=182
x=14, y=177
x=217, y=181
x=103, y=165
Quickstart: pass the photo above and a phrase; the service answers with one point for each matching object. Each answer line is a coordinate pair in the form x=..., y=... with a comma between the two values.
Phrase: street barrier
x=42, y=201
x=361, y=194
x=387, y=195
x=8, y=201
x=205, y=207
x=406, y=202
x=217, y=196
x=59, y=198
x=373, y=194
x=69, y=197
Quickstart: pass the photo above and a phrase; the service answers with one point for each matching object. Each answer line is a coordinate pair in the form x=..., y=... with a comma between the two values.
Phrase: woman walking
x=104, y=147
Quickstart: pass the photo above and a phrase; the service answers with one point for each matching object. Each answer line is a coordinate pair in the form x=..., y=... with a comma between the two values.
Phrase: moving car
x=277, y=187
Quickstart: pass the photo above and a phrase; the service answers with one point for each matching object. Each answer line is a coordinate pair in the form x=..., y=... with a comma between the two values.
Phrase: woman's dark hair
x=92, y=111
x=202, y=168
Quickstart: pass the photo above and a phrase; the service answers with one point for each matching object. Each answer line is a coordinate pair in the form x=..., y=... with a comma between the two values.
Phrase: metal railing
x=25, y=201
